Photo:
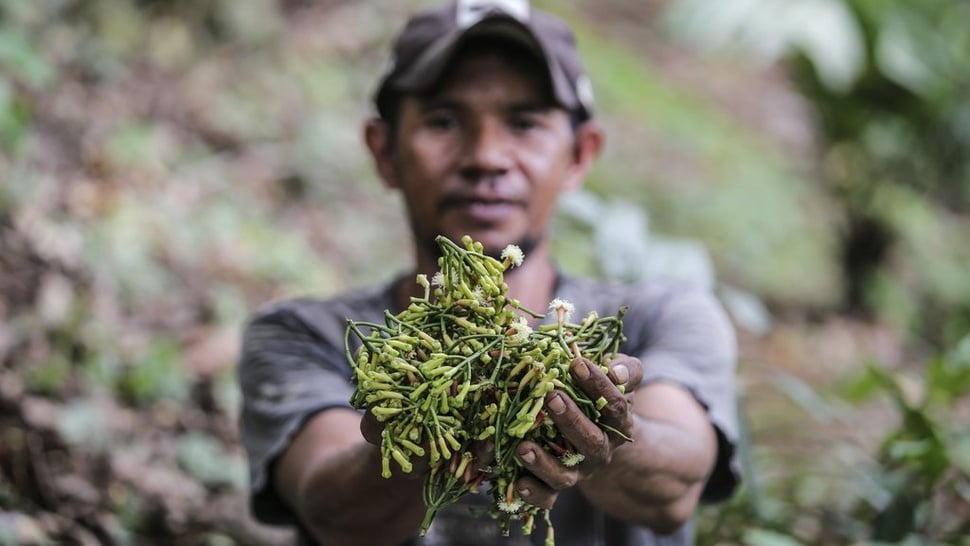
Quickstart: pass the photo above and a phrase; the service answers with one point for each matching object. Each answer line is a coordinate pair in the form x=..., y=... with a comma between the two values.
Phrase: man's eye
x=523, y=123
x=441, y=122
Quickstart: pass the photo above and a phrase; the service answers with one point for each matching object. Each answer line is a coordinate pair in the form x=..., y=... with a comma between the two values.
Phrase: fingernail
x=524, y=491
x=556, y=404
x=620, y=374
x=581, y=369
x=528, y=456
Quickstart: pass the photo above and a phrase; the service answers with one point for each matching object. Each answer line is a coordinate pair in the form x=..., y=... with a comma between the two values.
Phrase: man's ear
x=587, y=145
x=377, y=136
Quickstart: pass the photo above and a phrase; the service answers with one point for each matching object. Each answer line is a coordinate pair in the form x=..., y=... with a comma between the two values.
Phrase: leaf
x=767, y=537
x=20, y=57
x=959, y=449
x=888, y=384
x=948, y=377
x=919, y=445
x=158, y=374
x=898, y=519
x=83, y=423
x=805, y=396
x=17, y=529
x=909, y=449
x=49, y=377
x=14, y=120
x=204, y=458
x=227, y=393
x=860, y=388
x=898, y=52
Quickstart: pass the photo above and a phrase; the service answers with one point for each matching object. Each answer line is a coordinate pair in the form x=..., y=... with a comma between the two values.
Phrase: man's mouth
x=481, y=210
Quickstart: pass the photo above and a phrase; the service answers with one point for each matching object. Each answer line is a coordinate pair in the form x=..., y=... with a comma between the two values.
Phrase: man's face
x=485, y=155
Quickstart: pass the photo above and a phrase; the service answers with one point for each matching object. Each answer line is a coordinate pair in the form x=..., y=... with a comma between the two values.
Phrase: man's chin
x=494, y=241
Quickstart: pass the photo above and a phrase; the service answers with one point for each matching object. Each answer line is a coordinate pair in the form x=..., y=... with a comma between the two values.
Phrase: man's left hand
x=597, y=445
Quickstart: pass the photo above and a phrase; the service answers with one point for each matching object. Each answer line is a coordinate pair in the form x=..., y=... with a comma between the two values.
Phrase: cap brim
x=428, y=69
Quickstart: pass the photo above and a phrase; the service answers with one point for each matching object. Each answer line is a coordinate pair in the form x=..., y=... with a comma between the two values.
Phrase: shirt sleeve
x=288, y=371
x=691, y=342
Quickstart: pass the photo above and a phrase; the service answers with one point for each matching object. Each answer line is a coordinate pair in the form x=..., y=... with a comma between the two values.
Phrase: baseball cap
x=429, y=39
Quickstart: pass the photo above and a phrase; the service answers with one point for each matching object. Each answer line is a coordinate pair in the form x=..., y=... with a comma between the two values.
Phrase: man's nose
x=487, y=150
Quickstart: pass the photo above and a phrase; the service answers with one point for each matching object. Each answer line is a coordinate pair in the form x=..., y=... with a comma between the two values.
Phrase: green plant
x=914, y=490
x=922, y=463
x=462, y=365
x=887, y=84
x=157, y=375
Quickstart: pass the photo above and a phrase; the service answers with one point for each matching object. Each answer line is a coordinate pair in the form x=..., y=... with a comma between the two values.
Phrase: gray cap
x=424, y=47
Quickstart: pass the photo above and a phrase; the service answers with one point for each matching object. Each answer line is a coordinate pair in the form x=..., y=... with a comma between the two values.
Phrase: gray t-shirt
x=293, y=365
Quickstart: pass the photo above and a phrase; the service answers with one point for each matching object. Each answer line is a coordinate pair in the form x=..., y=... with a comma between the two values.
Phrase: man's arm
x=331, y=478
x=657, y=479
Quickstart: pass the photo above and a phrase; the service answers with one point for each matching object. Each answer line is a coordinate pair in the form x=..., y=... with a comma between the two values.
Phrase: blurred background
x=166, y=166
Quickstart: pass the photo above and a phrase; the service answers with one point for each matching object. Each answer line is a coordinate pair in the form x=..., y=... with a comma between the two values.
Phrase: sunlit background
x=166, y=166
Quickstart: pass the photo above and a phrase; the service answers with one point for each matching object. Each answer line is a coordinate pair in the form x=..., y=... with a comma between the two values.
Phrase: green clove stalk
x=462, y=365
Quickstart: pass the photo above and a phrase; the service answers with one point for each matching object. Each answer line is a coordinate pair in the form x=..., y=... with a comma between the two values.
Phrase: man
x=485, y=118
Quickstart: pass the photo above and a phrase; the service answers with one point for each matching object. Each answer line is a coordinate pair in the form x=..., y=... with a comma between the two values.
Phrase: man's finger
x=536, y=493
x=371, y=428
x=613, y=405
x=545, y=466
x=589, y=376
x=484, y=452
x=585, y=435
x=626, y=371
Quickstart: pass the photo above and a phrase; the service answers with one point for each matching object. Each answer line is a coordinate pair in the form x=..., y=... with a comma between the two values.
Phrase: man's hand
x=596, y=445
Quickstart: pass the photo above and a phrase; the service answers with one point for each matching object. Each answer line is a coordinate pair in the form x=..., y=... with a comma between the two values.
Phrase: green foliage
x=910, y=492
x=227, y=394
x=23, y=61
x=49, y=377
x=919, y=459
x=739, y=195
x=766, y=537
x=13, y=117
x=16, y=531
x=903, y=122
x=202, y=457
x=155, y=375
x=129, y=507
x=949, y=376
x=24, y=64
x=82, y=422
x=887, y=81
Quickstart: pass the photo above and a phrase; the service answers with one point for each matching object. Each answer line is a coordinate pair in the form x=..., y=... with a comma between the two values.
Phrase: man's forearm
x=656, y=480
x=331, y=477
x=344, y=500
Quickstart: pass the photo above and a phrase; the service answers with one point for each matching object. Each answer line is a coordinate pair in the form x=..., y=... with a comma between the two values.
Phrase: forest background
x=166, y=166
